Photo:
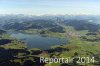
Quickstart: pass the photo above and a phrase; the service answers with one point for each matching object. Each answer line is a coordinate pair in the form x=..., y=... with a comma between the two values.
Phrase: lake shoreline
x=35, y=40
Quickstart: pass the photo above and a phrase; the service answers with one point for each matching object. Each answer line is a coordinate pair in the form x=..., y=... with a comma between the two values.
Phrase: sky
x=51, y=7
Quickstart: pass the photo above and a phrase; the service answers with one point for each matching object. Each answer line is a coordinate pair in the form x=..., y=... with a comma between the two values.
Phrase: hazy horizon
x=50, y=7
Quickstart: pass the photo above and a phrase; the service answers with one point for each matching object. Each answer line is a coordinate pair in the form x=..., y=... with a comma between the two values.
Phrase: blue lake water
x=38, y=41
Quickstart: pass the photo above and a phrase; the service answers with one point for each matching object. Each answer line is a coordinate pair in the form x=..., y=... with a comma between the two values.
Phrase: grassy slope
x=15, y=44
x=83, y=48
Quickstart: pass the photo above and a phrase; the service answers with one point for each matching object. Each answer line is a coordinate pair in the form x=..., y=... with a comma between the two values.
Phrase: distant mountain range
x=23, y=22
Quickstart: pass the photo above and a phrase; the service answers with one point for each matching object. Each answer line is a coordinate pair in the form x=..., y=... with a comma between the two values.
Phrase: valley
x=24, y=39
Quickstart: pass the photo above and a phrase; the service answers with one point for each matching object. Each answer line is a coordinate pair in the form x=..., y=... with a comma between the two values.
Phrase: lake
x=38, y=41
